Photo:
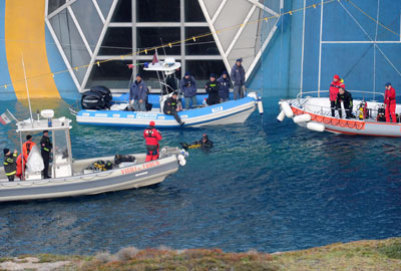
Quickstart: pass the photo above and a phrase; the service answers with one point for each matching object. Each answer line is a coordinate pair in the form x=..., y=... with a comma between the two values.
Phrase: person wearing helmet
x=205, y=144
x=152, y=137
x=212, y=88
x=345, y=97
x=389, y=101
x=10, y=164
x=334, y=87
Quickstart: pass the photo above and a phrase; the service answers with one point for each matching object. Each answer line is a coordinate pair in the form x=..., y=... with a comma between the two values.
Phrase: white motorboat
x=72, y=177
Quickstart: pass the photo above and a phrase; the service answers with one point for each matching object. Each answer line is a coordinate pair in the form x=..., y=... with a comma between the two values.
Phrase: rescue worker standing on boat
x=334, y=87
x=389, y=101
x=45, y=149
x=152, y=137
x=212, y=89
x=345, y=97
x=10, y=164
x=27, y=147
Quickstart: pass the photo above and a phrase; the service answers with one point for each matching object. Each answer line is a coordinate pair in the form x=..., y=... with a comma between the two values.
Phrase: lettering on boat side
x=100, y=115
x=139, y=168
x=217, y=109
x=116, y=115
x=146, y=115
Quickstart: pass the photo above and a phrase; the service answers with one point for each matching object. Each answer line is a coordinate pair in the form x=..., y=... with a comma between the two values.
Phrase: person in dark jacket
x=188, y=88
x=238, y=77
x=172, y=107
x=10, y=164
x=205, y=144
x=45, y=149
x=138, y=94
x=345, y=97
x=224, y=87
x=212, y=88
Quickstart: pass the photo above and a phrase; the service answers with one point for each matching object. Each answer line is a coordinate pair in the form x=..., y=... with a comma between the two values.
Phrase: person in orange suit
x=334, y=87
x=27, y=147
x=389, y=101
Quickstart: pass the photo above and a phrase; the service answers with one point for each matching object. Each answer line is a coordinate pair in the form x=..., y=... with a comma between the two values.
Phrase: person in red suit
x=389, y=101
x=152, y=137
x=334, y=87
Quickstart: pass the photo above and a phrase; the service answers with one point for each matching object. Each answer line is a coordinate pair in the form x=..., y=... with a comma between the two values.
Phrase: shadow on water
x=265, y=185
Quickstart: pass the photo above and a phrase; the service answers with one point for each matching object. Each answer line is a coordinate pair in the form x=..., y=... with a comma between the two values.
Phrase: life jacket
x=152, y=136
x=26, y=148
x=20, y=166
x=334, y=86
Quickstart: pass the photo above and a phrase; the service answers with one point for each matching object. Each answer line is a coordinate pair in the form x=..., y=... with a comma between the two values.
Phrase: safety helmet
x=152, y=123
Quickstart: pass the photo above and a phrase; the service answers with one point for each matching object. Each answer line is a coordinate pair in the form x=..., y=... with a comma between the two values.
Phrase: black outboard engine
x=92, y=100
x=107, y=97
x=97, y=98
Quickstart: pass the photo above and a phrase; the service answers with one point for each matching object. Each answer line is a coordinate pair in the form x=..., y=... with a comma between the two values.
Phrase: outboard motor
x=106, y=93
x=92, y=100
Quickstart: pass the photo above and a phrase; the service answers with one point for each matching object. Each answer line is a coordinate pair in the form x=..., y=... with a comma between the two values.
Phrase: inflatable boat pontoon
x=314, y=113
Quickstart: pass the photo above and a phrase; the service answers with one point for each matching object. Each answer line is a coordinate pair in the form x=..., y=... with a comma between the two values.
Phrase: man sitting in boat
x=188, y=87
x=212, y=88
x=345, y=97
x=389, y=101
x=172, y=106
x=152, y=137
x=224, y=87
x=334, y=86
x=138, y=94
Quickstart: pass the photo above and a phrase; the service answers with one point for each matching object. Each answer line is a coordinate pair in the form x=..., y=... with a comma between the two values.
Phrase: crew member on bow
x=389, y=101
x=27, y=147
x=45, y=149
x=10, y=164
x=345, y=97
x=334, y=87
x=152, y=137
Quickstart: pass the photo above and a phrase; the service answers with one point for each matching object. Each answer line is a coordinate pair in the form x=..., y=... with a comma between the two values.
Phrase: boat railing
x=326, y=92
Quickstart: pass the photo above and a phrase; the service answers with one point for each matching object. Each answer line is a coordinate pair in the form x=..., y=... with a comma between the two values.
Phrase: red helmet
x=337, y=77
x=152, y=123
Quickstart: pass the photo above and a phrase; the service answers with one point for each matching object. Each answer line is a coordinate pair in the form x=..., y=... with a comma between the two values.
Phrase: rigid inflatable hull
x=220, y=114
x=368, y=127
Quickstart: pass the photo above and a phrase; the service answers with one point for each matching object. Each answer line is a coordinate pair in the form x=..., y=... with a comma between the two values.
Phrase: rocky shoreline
x=359, y=255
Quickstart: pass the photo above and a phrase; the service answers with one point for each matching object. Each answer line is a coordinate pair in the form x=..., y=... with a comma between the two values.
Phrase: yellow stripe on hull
x=25, y=36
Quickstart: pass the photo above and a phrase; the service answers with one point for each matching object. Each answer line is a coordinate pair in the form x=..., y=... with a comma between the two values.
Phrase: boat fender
x=181, y=159
x=315, y=126
x=302, y=118
x=260, y=107
x=287, y=110
x=281, y=116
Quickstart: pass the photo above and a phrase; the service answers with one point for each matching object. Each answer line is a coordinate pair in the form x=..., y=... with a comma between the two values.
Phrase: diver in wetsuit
x=345, y=97
x=205, y=144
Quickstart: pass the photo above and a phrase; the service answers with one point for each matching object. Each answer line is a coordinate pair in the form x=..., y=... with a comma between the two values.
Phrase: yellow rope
x=170, y=44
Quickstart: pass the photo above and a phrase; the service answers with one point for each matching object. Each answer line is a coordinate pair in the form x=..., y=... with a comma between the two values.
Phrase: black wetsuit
x=170, y=108
x=45, y=149
x=212, y=88
x=346, y=98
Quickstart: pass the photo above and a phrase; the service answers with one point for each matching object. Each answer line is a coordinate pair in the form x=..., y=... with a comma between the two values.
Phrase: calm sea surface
x=267, y=186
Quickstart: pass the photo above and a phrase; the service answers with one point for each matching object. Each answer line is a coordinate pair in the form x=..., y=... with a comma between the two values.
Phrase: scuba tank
x=363, y=112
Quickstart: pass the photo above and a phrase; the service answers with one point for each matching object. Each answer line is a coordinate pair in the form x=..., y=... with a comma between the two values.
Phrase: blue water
x=267, y=186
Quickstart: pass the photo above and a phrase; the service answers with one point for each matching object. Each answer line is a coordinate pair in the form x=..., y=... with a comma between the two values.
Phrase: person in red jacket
x=389, y=101
x=334, y=87
x=152, y=137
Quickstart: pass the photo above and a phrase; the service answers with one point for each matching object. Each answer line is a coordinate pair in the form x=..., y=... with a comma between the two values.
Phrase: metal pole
x=22, y=158
x=27, y=90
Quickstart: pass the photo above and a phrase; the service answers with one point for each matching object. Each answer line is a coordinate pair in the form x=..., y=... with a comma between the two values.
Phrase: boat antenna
x=27, y=90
